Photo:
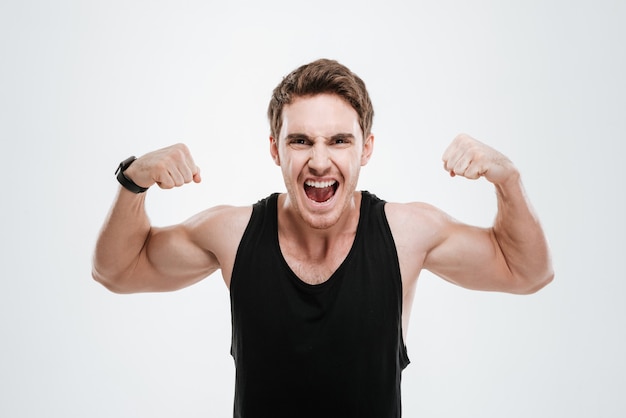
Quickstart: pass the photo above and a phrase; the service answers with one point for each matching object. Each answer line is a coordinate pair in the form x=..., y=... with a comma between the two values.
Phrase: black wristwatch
x=125, y=181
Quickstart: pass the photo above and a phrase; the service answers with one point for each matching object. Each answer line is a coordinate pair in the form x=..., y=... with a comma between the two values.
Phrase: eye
x=298, y=141
x=341, y=140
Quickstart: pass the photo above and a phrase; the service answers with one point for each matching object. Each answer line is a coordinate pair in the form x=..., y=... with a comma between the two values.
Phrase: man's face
x=320, y=149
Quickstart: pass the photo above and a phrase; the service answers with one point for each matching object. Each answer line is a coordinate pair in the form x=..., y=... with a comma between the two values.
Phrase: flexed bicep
x=172, y=260
x=470, y=257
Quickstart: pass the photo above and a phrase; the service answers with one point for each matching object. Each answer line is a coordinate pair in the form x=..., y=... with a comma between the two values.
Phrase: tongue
x=319, y=194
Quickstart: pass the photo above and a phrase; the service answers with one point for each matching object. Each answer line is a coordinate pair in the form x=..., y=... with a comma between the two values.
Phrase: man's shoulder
x=222, y=220
x=267, y=202
x=402, y=208
x=229, y=219
x=412, y=209
x=218, y=230
x=416, y=221
x=406, y=213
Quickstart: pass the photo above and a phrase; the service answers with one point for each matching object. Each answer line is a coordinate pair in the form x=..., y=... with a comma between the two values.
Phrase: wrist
x=126, y=181
x=510, y=186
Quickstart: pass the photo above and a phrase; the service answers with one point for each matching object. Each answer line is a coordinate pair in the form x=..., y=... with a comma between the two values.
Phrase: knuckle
x=180, y=146
x=161, y=166
x=182, y=149
x=463, y=137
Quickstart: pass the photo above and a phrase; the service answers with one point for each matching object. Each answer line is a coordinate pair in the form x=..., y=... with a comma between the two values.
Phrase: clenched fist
x=168, y=167
x=472, y=159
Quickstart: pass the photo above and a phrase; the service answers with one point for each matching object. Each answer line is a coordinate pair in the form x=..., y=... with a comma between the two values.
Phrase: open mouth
x=320, y=191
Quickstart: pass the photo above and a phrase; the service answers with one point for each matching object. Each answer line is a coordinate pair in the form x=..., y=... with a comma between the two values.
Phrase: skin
x=321, y=141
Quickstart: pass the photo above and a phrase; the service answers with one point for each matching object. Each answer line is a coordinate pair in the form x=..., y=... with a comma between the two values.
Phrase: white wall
x=85, y=84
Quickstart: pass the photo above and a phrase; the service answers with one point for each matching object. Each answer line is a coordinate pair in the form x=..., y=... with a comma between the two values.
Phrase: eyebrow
x=341, y=135
x=297, y=136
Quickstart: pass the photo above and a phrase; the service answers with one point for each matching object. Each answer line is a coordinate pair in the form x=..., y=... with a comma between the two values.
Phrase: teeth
x=320, y=184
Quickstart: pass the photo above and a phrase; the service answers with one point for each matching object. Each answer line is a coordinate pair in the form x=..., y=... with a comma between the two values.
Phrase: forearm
x=122, y=239
x=520, y=237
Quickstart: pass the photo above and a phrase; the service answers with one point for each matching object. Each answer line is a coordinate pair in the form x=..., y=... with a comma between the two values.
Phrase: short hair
x=318, y=77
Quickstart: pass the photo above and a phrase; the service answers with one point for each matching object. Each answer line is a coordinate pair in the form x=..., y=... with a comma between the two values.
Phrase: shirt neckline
x=337, y=274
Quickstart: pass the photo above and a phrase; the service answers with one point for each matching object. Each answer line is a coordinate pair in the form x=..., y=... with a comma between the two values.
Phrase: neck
x=294, y=230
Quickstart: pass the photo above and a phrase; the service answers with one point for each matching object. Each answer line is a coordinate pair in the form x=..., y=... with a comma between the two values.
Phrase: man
x=321, y=277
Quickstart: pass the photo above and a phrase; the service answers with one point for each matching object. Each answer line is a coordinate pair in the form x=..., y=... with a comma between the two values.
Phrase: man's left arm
x=513, y=255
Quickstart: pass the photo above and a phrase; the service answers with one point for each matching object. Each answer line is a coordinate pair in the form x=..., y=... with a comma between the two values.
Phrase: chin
x=326, y=216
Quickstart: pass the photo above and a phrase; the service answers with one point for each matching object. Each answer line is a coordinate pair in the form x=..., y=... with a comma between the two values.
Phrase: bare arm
x=133, y=256
x=511, y=256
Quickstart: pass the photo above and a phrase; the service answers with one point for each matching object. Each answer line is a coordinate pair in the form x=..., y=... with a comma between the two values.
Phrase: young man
x=321, y=277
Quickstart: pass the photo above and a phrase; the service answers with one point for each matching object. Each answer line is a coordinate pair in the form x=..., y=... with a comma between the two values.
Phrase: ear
x=368, y=148
x=274, y=150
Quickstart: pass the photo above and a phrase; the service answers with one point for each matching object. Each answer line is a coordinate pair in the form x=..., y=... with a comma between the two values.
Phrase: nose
x=319, y=160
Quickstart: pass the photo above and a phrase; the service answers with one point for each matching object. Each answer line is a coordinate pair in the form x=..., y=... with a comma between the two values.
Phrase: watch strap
x=127, y=183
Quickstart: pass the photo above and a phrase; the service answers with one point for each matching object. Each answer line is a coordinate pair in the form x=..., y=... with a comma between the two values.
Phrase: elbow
x=111, y=283
x=535, y=285
x=546, y=281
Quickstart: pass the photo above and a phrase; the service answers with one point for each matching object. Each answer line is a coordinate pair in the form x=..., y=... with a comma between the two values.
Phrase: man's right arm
x=133, y=256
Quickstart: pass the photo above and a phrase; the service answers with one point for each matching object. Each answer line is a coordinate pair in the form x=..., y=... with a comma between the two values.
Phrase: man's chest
x=314, y=270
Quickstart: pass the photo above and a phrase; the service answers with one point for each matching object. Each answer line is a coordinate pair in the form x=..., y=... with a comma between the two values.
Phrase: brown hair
x=317, y=77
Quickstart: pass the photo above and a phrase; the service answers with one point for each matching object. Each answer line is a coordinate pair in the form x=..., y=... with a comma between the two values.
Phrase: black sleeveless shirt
x=329, y=350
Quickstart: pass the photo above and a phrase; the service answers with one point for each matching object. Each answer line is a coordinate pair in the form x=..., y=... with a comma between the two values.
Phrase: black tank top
x=329, y=350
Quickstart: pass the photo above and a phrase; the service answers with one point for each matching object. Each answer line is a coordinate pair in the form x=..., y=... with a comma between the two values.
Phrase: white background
x=83, y=85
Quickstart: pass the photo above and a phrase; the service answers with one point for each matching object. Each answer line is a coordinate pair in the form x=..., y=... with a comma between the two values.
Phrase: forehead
x=320, y=115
